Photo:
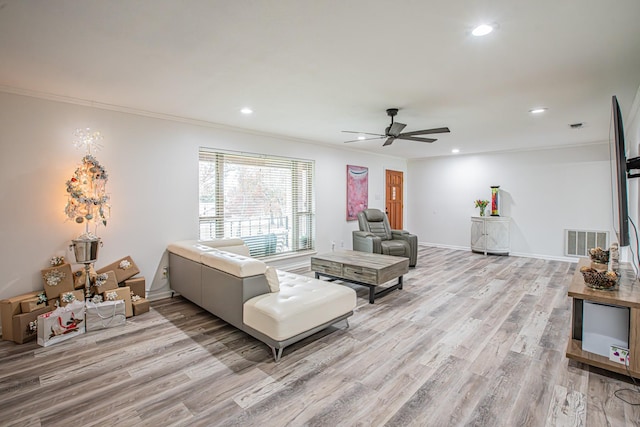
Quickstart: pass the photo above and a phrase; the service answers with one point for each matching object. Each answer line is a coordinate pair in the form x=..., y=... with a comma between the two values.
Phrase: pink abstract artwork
x=357, y=190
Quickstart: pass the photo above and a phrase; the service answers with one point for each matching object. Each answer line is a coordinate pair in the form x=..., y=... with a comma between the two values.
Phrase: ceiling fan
x=394, y=131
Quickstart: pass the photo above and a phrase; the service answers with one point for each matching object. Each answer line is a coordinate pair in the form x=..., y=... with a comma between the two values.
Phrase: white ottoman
x=302, y=303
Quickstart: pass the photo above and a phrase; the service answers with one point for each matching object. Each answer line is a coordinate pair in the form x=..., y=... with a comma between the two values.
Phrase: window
x=266, y=201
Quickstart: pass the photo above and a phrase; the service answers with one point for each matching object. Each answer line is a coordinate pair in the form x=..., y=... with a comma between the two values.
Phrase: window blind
x=265, y=200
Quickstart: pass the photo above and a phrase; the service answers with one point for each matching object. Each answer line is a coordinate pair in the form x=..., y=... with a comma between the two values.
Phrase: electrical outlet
x=165, y=271
x=619, y=355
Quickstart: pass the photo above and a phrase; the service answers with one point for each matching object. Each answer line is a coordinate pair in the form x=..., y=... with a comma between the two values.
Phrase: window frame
x=299, y=215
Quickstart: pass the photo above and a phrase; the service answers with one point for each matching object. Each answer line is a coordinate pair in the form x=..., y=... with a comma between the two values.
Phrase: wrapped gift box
x=124, y=268
x=57, y=280
x=100, y=287
x=78, y=295
x=22, y=330
x=10, y=307
x=140, y=306
x=80, y=277
x=31, y=304
x=123, y=294
x=137, y=285
x=61, y=324
x=107, y=314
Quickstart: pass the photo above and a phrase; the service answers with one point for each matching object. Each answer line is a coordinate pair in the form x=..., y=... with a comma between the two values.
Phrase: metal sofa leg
x=277, y=354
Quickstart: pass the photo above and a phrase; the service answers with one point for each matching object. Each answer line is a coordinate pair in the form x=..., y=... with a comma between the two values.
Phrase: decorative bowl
x=604, y=280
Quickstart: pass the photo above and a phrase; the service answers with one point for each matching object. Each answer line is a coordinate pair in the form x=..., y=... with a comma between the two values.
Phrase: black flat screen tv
x=621, y=176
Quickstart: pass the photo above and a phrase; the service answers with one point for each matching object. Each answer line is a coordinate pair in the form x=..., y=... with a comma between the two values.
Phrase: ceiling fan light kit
x=394, y=131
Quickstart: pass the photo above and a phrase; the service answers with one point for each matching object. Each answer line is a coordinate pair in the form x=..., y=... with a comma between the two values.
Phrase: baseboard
x=165, y=293
x=545, y=257
x=518, y=254
x=300, y=267
x=439, y=245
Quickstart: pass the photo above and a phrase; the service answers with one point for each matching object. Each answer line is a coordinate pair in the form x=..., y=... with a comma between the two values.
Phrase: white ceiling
x=312, y=68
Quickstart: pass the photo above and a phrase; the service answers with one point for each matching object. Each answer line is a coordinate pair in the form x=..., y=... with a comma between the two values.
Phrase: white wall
x=544, y=192
x=153, y=184
x=152, y=165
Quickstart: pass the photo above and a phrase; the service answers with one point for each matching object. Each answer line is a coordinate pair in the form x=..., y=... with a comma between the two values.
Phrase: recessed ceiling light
x=455, y=151
x=537, y=110
x=361, y=137
x=482, y=30
x=246, y=110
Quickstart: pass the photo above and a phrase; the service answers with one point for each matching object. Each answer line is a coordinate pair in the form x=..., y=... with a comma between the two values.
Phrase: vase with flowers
x=482, y=204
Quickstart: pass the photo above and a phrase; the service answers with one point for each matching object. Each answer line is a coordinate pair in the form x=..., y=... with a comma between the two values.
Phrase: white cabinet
x=490, y=234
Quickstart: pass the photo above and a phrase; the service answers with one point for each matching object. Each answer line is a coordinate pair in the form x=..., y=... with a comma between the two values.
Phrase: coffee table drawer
x=327, y=267
x=360, y=274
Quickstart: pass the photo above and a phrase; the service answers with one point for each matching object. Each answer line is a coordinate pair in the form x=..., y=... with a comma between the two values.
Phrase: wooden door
x=394, y=191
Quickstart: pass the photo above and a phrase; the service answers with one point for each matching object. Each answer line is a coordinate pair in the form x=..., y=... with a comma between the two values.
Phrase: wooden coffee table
x=362, y=268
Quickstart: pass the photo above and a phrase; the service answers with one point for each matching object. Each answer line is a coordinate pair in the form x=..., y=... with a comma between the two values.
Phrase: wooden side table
x=627, y=295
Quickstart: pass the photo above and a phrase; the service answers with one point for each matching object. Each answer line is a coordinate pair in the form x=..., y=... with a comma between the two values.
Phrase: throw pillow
x=272, y=279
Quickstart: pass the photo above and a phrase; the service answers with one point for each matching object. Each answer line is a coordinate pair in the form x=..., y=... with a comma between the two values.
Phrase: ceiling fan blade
x=363, y=133
x=365, y=139
x=427, y=131
x=389, y=141
x=416, y=138
x=396, y=128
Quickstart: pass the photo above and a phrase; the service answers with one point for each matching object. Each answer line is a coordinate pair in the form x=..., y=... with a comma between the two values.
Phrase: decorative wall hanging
x=495, y=190
x=357, y=190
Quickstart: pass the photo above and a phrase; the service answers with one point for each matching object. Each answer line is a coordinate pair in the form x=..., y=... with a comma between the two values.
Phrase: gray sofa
x=220, y=277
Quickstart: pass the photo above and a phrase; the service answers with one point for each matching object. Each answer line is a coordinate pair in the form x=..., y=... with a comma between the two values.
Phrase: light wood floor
x=470, y=340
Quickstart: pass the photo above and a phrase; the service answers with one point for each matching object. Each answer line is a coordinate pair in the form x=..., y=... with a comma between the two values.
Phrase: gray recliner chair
x=376, y=236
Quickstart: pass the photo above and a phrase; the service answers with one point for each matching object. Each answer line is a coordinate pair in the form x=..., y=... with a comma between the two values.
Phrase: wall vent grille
x=578, y=242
